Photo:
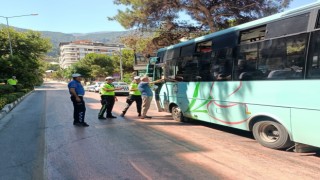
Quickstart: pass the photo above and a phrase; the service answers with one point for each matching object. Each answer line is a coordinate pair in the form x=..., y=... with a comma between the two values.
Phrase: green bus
x=262, y=76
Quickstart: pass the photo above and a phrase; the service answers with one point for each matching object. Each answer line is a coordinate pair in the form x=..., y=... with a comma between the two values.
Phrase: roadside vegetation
x=26, y=62
x=95, y=67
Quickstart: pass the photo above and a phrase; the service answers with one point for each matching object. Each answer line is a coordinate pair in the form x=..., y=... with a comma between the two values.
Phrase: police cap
x=109, y=78
x=136, y=78
x=76, y=75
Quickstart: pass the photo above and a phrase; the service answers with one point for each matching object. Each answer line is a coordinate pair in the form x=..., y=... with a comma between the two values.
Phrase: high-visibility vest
x=109, y=87
x=135, y=86
x=12, y=81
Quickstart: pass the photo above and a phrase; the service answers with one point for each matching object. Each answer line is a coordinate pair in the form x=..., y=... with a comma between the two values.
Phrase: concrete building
x=72, y=52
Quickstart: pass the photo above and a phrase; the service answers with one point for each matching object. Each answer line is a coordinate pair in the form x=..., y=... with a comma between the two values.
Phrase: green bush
x=11, y=97
x=5, y=89
x=25, y=90
x=3, y=102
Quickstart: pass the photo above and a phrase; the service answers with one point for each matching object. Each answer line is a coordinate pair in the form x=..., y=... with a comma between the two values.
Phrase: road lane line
x=139, y=170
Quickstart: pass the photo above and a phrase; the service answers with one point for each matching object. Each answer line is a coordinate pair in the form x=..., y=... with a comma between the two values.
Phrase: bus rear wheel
x=177, y=114
x=271, y=134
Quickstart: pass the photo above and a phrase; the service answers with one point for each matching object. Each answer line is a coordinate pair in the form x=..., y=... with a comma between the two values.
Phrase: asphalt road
x=38, y=141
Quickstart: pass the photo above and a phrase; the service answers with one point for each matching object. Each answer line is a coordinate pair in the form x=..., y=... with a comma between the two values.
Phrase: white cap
x=136, y=77
x=109, y=77
x=76, y=75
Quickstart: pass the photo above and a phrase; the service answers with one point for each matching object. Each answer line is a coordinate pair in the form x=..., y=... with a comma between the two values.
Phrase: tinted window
x=221, y=65
x=226, y=40
x=187, y=50
x=161, y=55
x=187, y=69
x=285, y=58
x=281, y=58
x=288, y=26
x=252, y=35
x=168, y=54
x=204, y=47
x=172, y=53
x=246, y=65
x=170, y=69
x=314, y=56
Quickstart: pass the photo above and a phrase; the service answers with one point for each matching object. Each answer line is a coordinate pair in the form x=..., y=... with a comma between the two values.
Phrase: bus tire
x=177, y=114
x=271, y=134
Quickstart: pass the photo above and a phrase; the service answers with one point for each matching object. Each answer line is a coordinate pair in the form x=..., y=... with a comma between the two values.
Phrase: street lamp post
x=9, y=30
x=121, y=71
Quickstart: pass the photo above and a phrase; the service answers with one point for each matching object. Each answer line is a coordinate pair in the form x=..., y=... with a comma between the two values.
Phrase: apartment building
x=72, y=52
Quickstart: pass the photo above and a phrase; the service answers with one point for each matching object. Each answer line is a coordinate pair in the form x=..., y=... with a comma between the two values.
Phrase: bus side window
x=284, y=58
x=221, y=65
x=204, y=67
x=314, y=56
x=246, y=67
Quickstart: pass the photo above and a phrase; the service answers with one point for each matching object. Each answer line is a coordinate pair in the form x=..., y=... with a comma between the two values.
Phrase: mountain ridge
x=106, y=37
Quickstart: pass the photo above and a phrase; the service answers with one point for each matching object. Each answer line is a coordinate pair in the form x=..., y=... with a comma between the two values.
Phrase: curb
x=7, y=108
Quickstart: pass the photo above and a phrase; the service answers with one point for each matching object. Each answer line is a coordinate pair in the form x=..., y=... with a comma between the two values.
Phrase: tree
x=48, y=66
x=127, y=58
x=58, y=74
x=210, y=15
x=99, y=65
x=29, y=50
x=140, y=43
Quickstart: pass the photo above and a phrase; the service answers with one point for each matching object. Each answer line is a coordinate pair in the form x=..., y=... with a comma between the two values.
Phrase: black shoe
x=77, y=124
x=122, y=115
x=149, y=117
x=84, y=124
x=102, y=117
x=111, y=117
x=139, y=115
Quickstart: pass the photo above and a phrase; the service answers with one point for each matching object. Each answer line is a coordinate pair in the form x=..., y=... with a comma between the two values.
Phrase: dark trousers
x=79, y=111
x=15, y=88
x=130, y=100
x=107, y=103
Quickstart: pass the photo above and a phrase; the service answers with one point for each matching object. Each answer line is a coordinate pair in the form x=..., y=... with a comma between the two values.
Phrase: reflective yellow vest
x=12, y=81
x=109, y=87
x=135, y=86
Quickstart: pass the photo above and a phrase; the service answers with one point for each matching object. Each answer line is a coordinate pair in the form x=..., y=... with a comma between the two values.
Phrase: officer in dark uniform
x=77, y=92
x=108, y=98
x=134, y=95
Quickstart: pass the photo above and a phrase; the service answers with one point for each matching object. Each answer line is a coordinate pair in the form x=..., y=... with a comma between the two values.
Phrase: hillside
x=57, y=37
x=104, y=37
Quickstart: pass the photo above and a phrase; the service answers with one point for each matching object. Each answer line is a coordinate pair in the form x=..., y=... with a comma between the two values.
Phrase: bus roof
x=248, y=25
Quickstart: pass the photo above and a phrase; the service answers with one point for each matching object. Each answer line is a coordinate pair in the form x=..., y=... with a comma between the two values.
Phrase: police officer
x=13, y=82
x=108, y=98
x=134, y=95
x=77, y=92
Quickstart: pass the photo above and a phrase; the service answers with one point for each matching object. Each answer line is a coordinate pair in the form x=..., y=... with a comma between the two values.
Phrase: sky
x=70, y=16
